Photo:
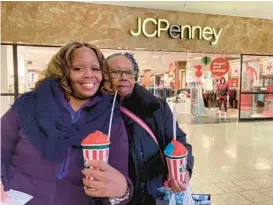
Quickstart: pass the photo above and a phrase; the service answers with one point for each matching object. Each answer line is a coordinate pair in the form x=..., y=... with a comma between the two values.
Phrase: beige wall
x=108, y=27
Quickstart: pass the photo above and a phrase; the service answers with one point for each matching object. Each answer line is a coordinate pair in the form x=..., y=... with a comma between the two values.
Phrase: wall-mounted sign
x=176, y=31
x=219, y=67
x=233, y=82
x=235, y=69
x=269, y=89
x=246, y=105
x=268, y=66
x=252, y=69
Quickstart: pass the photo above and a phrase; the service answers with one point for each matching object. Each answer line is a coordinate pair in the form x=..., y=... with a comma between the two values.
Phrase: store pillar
x=147, y=78
x=180, y=80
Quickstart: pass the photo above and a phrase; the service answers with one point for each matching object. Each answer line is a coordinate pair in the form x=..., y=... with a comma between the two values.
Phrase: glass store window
x=6, y=102
x=7, y=72
x=7, y=78
x=256, y=99
x=32, y=60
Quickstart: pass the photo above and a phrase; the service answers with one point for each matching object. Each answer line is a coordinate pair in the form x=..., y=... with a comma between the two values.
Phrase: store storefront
x=248, y=79
x=200, y=39
x=256, y=99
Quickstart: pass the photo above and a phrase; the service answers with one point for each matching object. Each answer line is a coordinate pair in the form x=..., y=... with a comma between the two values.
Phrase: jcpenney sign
x=176, y=31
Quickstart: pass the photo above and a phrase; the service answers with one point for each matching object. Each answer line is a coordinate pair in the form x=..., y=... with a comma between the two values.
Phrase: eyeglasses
x=118, y=73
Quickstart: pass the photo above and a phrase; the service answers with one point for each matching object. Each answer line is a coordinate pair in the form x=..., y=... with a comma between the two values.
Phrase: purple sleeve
x=9, y=138
x=119, y=154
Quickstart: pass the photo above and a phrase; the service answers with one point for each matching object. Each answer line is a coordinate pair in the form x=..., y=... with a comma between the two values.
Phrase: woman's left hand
x=108, y=182
x=177, y=186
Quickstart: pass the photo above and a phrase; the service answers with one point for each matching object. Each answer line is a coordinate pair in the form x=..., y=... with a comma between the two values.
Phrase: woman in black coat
x=147, y=169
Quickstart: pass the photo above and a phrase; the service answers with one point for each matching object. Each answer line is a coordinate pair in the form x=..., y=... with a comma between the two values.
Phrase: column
x=177, y=77
x=147, y=78
x=180, y=80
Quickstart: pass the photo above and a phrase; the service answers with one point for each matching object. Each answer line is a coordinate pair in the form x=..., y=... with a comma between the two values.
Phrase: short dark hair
x=130, y=56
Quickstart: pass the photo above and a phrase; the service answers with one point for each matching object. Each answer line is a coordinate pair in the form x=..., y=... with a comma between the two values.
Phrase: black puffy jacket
x=147, y=170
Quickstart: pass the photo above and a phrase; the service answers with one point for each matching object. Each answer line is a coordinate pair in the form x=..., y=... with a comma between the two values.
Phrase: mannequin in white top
x=209, y=83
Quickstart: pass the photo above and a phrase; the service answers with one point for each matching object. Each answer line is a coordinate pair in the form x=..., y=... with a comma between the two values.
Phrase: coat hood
x=141, y=100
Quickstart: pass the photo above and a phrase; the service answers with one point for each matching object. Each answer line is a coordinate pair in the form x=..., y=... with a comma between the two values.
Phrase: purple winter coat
x=25, y=169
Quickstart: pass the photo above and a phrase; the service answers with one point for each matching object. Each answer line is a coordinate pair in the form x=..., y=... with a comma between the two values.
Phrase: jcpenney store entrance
x=189, y=79
x=182, y=56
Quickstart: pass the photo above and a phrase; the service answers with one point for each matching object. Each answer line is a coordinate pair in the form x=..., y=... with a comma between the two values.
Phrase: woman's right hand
x=108, y=182
x=4, y=196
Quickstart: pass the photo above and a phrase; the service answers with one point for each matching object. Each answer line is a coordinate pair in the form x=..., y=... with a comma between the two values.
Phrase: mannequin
x=222, y=94
x=209, y=83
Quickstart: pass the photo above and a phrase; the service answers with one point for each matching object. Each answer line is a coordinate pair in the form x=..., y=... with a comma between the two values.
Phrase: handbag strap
x=145, y=127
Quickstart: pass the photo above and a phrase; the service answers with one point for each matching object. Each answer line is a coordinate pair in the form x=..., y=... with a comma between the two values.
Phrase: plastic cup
x=177, y=167
x=95, y=152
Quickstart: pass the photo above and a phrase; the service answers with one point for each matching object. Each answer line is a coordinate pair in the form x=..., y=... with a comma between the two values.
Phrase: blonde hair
x=60, y=64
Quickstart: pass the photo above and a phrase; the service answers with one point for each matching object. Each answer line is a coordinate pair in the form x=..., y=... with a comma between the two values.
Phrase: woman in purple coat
x=42, y=132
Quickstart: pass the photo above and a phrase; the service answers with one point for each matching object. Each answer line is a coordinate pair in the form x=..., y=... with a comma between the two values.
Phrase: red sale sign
x=269, y=89
x=233, y=82
x=246, y=102
x=219, y=67
x=268, y=110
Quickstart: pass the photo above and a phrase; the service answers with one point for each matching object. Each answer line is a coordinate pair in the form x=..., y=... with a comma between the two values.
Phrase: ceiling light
x=140, y=49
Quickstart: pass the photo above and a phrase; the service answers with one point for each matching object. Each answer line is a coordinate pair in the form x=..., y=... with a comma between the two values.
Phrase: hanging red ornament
x=198, y=73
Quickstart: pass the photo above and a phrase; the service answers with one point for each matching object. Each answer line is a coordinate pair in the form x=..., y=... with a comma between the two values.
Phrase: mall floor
x=233, y=161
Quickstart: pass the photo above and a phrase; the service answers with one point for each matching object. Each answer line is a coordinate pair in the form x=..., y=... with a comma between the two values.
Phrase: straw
x=174, y=121
x=111, y=116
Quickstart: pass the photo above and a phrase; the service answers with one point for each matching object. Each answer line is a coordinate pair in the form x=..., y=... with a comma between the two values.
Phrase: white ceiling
x=251, y=9
x=157, y=61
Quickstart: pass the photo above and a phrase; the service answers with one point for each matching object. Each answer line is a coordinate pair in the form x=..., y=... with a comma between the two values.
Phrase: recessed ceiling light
x=140, y=48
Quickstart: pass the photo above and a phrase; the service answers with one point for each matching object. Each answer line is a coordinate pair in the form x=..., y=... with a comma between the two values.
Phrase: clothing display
x=209, y=99
x=188, y=90
x=162, y=93
x=222, y=92
x=209, y=84
x=260, y=97
x=232, y=98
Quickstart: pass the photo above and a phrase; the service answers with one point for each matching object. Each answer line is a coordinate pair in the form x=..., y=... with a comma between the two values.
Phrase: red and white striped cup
x=177, y=167
x=95, y=152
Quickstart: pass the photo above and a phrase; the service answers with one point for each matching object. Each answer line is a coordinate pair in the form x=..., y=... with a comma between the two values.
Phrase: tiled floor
x=233, y=162
x=232, y=117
